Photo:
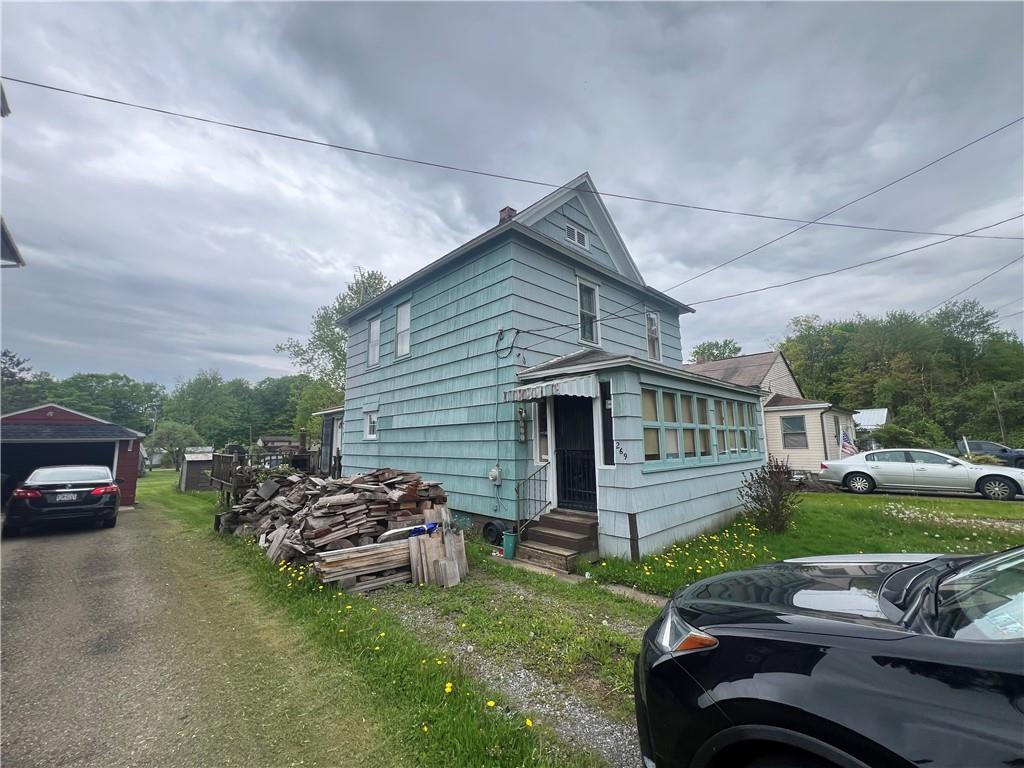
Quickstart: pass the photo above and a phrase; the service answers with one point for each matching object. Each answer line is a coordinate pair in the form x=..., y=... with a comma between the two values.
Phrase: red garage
x=51, y=434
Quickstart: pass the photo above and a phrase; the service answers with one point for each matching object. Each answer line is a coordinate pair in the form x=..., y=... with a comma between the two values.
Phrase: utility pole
x=999, y=414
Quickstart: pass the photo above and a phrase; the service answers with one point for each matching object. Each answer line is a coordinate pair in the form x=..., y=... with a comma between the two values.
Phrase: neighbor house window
x=373, y=353
x=402, y=324
x=588, y=303
x=370, y=425
x=794, y=432
x=542, y=432
x=653, y=335
x=683, y=428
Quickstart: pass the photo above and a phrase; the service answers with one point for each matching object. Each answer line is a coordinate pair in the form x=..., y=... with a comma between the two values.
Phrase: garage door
x=19, y=459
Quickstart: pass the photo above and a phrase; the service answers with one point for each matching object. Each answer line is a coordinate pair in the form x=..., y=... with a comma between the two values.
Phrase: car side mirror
x=953, y=462
x=1004, y=450
x=118, y=481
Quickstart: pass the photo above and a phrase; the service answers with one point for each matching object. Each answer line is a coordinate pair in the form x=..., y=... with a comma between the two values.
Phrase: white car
x=920, y=470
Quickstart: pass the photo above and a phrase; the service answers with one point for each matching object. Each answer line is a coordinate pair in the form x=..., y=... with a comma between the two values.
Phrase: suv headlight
x=676, y=636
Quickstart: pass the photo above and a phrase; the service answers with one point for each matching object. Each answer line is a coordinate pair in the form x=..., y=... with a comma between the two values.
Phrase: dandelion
x=529, y=723
x=447, y=688
x=425, y=728
x=382, y=634
x=348, y=608
x=490, y=703
x=376, y=647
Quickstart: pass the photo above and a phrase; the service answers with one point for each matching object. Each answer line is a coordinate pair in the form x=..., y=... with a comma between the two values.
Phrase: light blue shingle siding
x=553, y=226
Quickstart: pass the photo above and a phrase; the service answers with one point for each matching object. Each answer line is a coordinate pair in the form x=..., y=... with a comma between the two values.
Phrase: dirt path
x=130, y=647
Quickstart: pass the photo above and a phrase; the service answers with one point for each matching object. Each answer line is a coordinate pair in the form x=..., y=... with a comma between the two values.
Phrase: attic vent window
x=576, y=236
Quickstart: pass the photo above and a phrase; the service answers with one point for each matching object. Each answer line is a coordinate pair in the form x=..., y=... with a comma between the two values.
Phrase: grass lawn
x=827, y=523
x=435, y=714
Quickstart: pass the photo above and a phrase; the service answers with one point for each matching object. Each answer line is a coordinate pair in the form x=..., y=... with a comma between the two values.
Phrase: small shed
x=50, y=435
x=195, y=472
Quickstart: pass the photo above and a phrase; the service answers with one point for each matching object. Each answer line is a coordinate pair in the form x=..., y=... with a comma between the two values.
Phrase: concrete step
x=564, y=522
x=571, y=540
x=549, y=556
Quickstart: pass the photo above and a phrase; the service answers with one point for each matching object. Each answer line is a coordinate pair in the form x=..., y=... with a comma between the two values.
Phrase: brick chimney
x=506, y=214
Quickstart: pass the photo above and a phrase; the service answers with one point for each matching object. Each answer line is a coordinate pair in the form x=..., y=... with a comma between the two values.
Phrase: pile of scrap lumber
x=362, y=532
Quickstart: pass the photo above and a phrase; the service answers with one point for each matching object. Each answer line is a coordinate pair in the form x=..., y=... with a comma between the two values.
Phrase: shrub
x=982, y=458
x=769, y=496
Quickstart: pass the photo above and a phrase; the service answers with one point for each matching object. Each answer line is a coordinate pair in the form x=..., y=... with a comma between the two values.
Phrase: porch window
x=373, y=352
x=403, y=314
x=542, y=432
x=794, y=432
x=607, y=439
x=653, y=335
x=681, y=428
x=588, y=304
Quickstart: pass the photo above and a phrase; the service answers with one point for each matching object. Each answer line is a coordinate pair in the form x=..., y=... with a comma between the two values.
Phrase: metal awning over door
x=574, y=386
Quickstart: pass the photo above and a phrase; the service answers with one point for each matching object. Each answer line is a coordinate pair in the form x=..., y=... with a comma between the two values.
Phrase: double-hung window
x=653, y=335
x=373, y=350
x=402, y=326
x=590, y=332
x=794, y=432
x=370, y=425
x=682, y=428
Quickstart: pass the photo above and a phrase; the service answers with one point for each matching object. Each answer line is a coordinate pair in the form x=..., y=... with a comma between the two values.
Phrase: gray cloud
x=157, y=246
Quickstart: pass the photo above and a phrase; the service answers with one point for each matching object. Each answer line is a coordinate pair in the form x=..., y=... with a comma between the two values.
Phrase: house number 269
x=622, y=453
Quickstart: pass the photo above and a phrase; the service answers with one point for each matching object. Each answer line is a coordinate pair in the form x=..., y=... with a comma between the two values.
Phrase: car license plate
x=66, y=497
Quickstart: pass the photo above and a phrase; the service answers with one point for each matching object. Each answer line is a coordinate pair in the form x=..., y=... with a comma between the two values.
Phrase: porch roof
x=590, y=360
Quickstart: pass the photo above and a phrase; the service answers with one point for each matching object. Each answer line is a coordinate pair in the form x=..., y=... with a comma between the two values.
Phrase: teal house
x=535, y=374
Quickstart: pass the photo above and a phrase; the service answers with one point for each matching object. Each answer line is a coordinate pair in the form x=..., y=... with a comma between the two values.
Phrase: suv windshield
x=983, y=600
x=69, y=475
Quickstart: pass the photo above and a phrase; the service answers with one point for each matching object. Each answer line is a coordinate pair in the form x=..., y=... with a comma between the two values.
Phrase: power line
x=488, y=174
x=977, y=282
x=623, y=313
x=1012, y=314
x=852, y=202
x=851, y=266
x=1011, y=301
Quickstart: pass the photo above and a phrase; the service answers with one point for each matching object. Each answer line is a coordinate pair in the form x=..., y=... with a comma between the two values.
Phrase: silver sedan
x=920, y=470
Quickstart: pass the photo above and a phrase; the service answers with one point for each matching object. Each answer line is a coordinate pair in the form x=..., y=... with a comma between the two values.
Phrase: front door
x=574, y=453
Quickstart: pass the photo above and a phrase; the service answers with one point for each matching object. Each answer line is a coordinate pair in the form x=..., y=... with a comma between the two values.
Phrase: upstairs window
x=402, y=324
x=653, y=335
x=575, y=235
x=588, y=303
x=373, y=353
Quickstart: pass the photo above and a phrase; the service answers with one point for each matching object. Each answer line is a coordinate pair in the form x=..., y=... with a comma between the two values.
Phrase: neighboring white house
x=803, y=432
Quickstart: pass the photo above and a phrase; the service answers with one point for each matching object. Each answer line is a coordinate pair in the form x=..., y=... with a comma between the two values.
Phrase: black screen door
x=574, y=453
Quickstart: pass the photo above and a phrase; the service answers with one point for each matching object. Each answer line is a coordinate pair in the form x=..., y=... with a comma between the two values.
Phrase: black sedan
x=887, y=661
x=64, y=493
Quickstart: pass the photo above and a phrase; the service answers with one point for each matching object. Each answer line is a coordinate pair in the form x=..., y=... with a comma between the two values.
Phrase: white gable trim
x=63, y=408
x=582, y=187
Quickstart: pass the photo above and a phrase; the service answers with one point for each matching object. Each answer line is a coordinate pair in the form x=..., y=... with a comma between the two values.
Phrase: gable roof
x=515, y=227
x=582, y=188
x=37, y=432
x=51, y=406
x=747, y=370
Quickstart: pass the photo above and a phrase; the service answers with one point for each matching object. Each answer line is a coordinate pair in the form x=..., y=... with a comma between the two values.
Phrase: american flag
x=846, y=445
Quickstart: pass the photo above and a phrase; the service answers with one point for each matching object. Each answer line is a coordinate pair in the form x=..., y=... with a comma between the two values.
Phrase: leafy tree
x=707, y=351
x=210, y=405
x=174, y=437
x=315, y=396
x=111, y=396
x=322, y=356
x=20, y=387
x=926, y=433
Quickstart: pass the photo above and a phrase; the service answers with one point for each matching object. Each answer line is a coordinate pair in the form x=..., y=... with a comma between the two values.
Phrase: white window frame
x=784, y=433
x=648, y=312
x=542, y=406
x=580, y=282
x=370, y=419
x=574, y=235
x=373, y=349
x=403, y=332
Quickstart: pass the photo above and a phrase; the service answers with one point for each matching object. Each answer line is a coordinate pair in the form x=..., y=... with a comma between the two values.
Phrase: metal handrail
x=532, y=497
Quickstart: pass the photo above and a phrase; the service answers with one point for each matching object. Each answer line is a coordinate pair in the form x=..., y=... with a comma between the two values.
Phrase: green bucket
x=510, y=540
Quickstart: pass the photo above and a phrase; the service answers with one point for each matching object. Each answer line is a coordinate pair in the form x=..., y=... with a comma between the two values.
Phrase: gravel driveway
x=136, y=646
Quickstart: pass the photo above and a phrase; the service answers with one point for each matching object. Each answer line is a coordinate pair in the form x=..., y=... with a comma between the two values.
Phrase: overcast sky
x=158, y=246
